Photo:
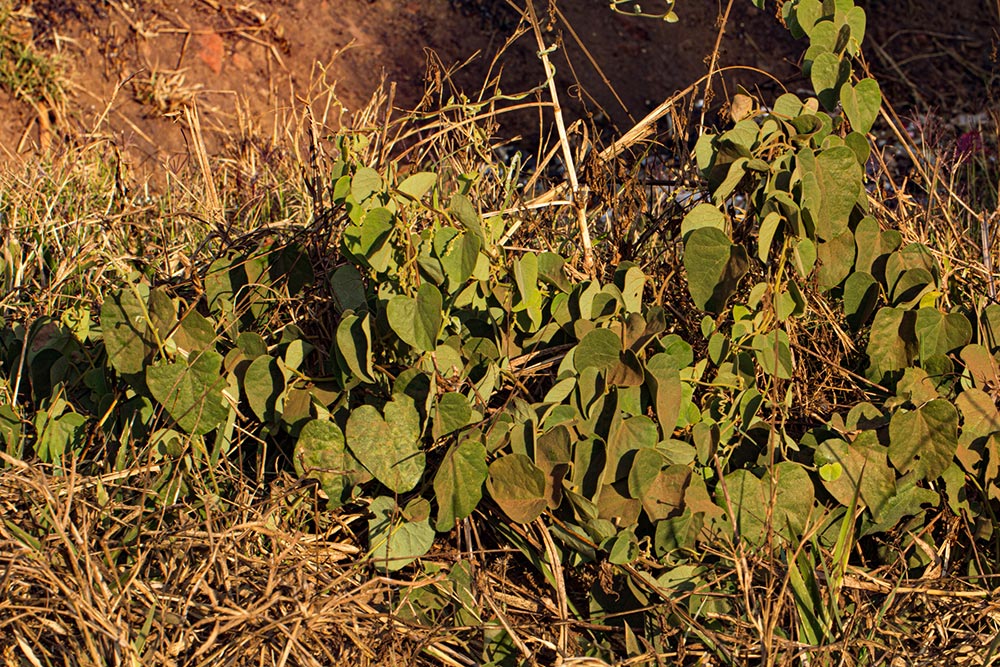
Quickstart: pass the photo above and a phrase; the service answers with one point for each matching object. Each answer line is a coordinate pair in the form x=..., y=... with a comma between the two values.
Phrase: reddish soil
x=134, y=66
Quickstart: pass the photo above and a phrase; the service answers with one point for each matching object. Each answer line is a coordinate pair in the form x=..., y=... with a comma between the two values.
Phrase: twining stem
x=579, y=195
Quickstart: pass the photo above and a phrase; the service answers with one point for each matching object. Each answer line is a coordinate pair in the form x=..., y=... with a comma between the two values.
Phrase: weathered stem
x=579, y=195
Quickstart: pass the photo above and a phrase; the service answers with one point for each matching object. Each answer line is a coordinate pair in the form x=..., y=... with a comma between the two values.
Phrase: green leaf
x=924, y=440
x=769, y=227
x=714, y=267
x=517, y=485
x=11, y=431
x=735, y=173
x=750, y=499
x=458, y=483
x=892, y=343
x=263, y=384
x=417, y=185
x=861, y=104
x=195, y=334
x=550, y=270
x=127, y=337
x=665, y=386
x=354, y=342
x=807, y=14
x=828, y=73
x=453, y=413
x=774, y=354
x=703, y=215
x=860, y=297
x=658, y=483
x=634, y=282
x=600, y=349
x=836, y=259
x=462, y=208
x=980, y=416
x=365, y=183
x=458, y=253
x=838, y=186
x=321, y=453
x=67, y=432
x=938, y=333
x=417, y=321
x=191, y=393
x=862, y=465
x=394, y=541
x=804, y=256
x=388, y=448
x=348, y=289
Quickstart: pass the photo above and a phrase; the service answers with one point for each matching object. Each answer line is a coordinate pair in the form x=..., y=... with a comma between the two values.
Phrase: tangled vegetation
x=433, y=385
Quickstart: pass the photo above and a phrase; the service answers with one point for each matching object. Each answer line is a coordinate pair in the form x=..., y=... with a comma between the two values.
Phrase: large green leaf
x=665, y=385
x=127, y=336
x=980, y=416
x=703, y=215
x=191, y=393
x=892, y=343
x=924, y=440
x=348, y=289
x=860, y=297
x=389, y=448
x=836, y=259
x=458, y=253
x=452, y=413
x=658, y=484
x=321, y=453
x=860, y=469
x=417, y=321
x=417, y=185
x=939, y=333
x=517, y=485
x=749, y=498
x=365, y=183
x=600, y=349
x=458, y=484
x=774, y=353
x=263, y=384
x=714, y=267
x=395, y=539
x=834, y=192
x=354, y=342
x=861, y=104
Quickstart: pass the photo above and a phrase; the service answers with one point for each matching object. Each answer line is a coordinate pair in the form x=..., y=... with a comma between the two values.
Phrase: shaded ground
x=131, y=69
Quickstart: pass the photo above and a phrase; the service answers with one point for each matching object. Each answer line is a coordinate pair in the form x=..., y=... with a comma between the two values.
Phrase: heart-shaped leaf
x=127, y=337
x=458, y=484
x=417, y=321
x=861, y=104
x=924, y=440
x=321, y=453
x=263, y=384
x=517, y=485
x=191, y=393
x=600, y=349
x=453, y=412
x=658, y=484
x=394, y=540
x=940, y=333
x=417, y=185
x=354, y=342
x=714, y=267
x=388, y=448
